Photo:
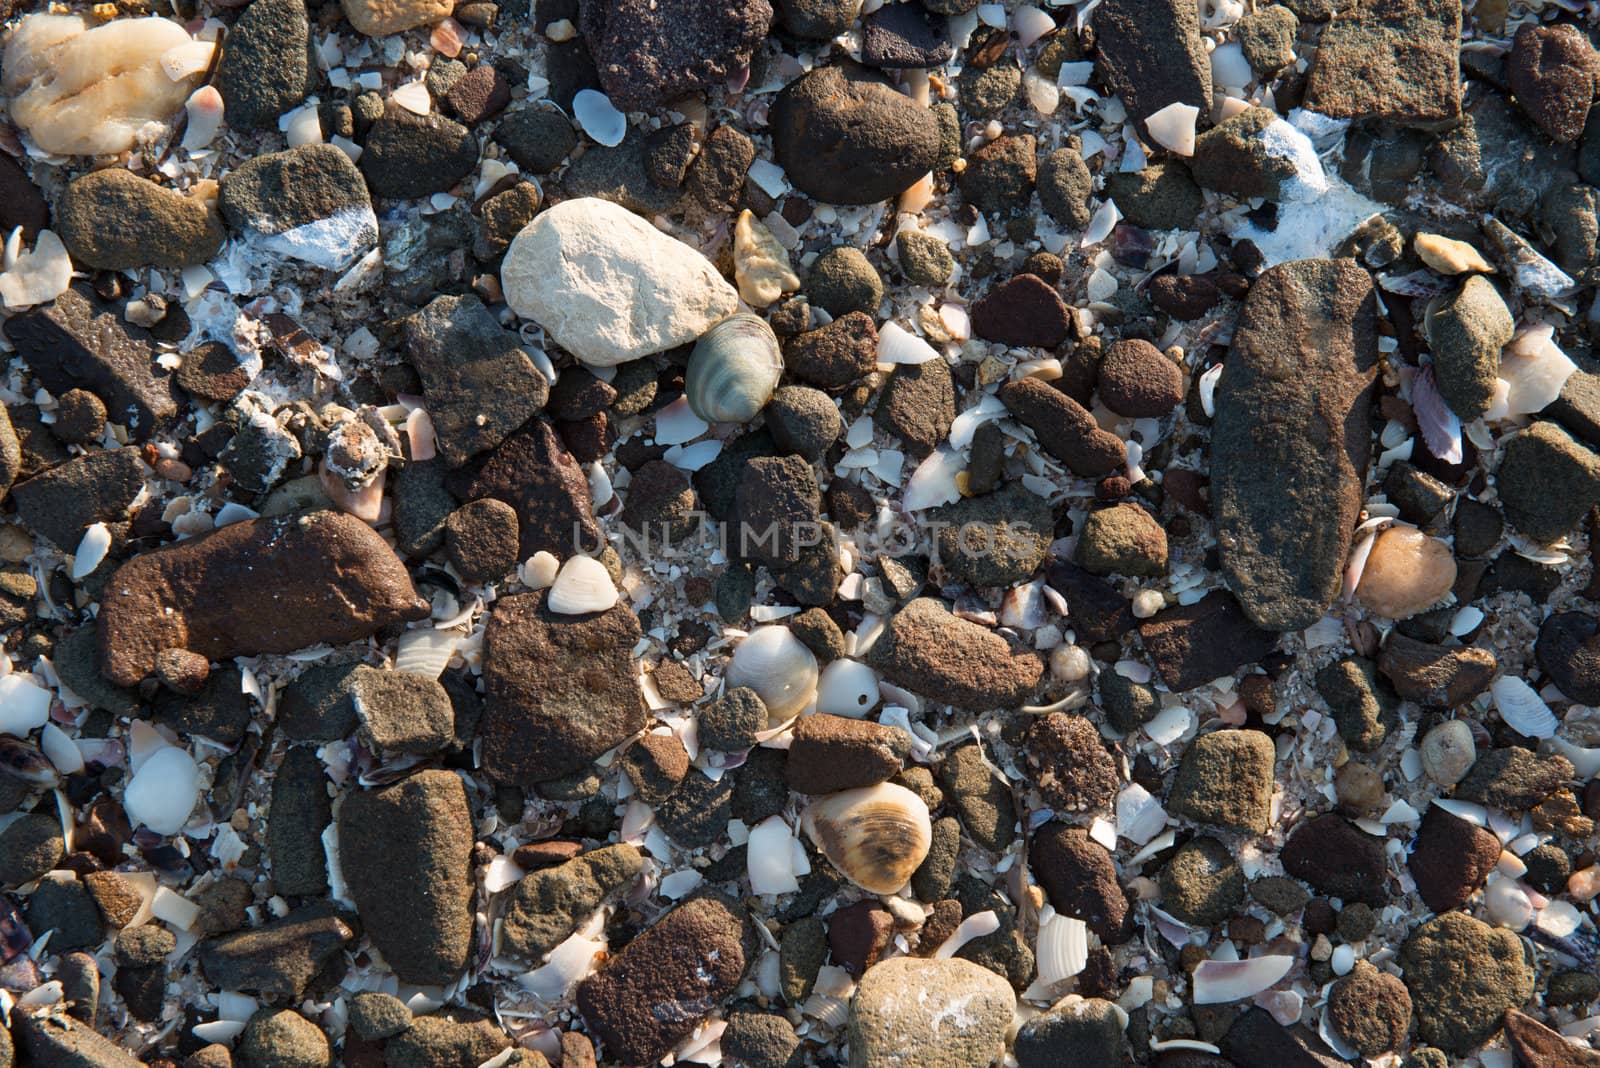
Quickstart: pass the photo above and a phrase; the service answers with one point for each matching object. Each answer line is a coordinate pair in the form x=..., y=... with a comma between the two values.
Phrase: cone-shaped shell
x=733, y=370
x=876, y=836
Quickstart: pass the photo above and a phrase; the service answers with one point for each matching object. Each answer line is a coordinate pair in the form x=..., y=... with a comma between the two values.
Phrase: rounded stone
x=842, y=281
x=80, y=417
x=1448, y=752
x=1138, y=381
x=803, y=420
x=282, y=1039
x=947, y=1013
x=1202, y=884
x=1370, y=1010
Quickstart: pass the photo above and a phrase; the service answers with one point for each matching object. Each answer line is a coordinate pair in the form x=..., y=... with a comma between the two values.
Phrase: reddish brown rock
x=533, y=472
x=1065, y=428
x=1433, y=674
x=929, y=651
x=1079, y=879
x=1451, y=860
x=1554, y=71
x=260, y=586
x=1538, y=1046
x=1023, y=312
x=1193, y=644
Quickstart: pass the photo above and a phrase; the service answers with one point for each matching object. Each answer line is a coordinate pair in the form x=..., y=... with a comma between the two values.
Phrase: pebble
x=858, y=934
x=717, y=175
x=1338, y=859
x=116, y=85
x=1514, y=779
x=1202, y=884
x=1079, y=879
x=399, y=712
x=300, y=812
x=1083, y=1031
x=1285, y=497
x=1464, y=976
x=52, y=1037
x=538, y=137
x=1451, y=859
x=546, y=906
x=842, y=281
x=1064, y=428
x=280, y=958
x=309, y=203
x=80, y=417
x=1123, y=539
x=1553, y=71
x=1138, y=381
x=647, y=52
x=805, y=421
x=1021, y=312
x=375, y=1016
x=1399, y=64
x=1449, y=256
x=928, y=650
x=422, y=825
x=607, y=286
x=918, y=405
x=1065, y=185
x=999, y=177
x=1568, y=649
x=957, y=1017
x=777, y=498
x=282, y=1038
x=1267, y=37
x=1163, y=196
x=481, y=540
x=995, y=540
x=833, y=753
x=835, y=355
x=845, y=135
x=265, y=68
x=65, y=501
x=450, y=1037
x=29, y=847
x=1151, y=55
x=331, y=579
x=1184, y=297
x=665, y=981
x=115, y=220
x=1225, y=778
x=380, y=18
x=407, y=155
x=1466, y=331
x=983, y=802
x=532, y=471
x=1370, y=1010
x=902, y=37
x=1128, y=705
x=1435, y=675
x=1547, y=481
x=760, y=1039
x=1194, y=644
x=1364, y=707
x=1539, y=1046
x=818, y=20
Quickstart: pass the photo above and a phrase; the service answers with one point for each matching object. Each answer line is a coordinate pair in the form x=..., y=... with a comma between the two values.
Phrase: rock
x=451, y=1038
x=1065, y=429
x=664, y=982
x=1568, y=650
x=1123, y=539
x=998, y=539
x=647, y=53
x=400, y=712
x=1420, y=497
x=310, y=203
x=696, y=814
x=1553, y=70
x=1451, y=859
x=842, y=281
x=845, y=135
x=277, y=959
x=95, y=487
x=623, y=175
x=1466, y=331
x=407, y=155
x=1242, y=157
x=265, y=68
x=61, y=1041
x=835, y=355
x=1202, y=884
x=212, y=372
x=1284, y=897
x=481, y=540
x=1547, y=481
x=80, y=418
x=1364, y=708
x=1266, y=36
x=116, y=899
x=1079, y=879
x=1193, y=644
x=1434, y=675
x=1513, y=779
x=778, y=504
x=1464, y=976
x=480, y=384
x=1151, y=55
x=1538, y=1046
x=1338, y=859
x=1285, y=491
x=902, y=37
x=329, y=577
x=805, y=420
x=833, y=753
x=817, y=20
x=77, y=342
x=985, y=91
x=1161, y=197
x=67, y=908
x=547, y=906
x=925, y=260
x=761, y=1039
x=141, y=956
x=982, y=801
x=423, y=826
x=1024, y=311
x=608, y=287
x=999, y=176
x=1065, y=185
x=316, y=705
x=118, y=85
x=928, y=650
x=539, y=138
x=534, y=473
x=375, y=1016
x=1137, y=380
x=1226, y=779
x=283, y=1038
x=558, y=690
x=858, y=934
x=1390, y=61
x=1256, y=1040
x=716, y=177
x=479, y=95
x=115, y=220
x=300, y=812
x=657, y=763
x=1128, y=705
x=1086, y=1031
x=380, y=18
x=30, y=847
x=939, y=1013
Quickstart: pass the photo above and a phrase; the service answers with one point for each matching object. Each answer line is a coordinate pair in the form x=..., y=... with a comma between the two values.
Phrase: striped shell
x=877, y=835
x=733, y=370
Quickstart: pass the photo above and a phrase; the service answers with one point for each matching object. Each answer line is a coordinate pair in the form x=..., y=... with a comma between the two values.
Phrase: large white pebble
x=161, y=795
x=608, y=286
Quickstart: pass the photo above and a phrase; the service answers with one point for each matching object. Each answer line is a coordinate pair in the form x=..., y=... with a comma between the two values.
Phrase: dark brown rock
x=1151, y=55
x=1080, y=881
x=533, y=472
x=1451, y=859
x=1538, y=1046
x=1193, y=644
x=649, y=51
x=1070, y=764
x=1514, y=779
x=1433, y=674
x=1024, y=311
x=277, y=959
x=833, y=753
x=928, y=650
x=834, y=355
x=1394, y=60
x=1338, y=859
x=1554, y=70
x=858, y=934
x=1065, y=429
x=1137, y=380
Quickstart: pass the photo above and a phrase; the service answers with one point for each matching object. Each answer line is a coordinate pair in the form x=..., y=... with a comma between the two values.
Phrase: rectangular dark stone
x=1195, y=643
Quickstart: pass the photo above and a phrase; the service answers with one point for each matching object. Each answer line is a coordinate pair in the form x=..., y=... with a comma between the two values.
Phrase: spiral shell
x=876, y=836
x=733, y=370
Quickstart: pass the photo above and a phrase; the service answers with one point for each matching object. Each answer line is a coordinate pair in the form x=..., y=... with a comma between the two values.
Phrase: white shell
x=599, y=117
x=1507, y=902
x=847, y=688
x=583, y=585
x=1521, y=707
x=1220, y=981
x=896, y=344
x=975, y=926
x=1062, y=949
x=1534, y=369
x=60, y=750
x=425, y=651
x=92, y=549
x=162, y=793
x=778, y=667
x=539, y=570
x=1173, y=128
x=24, y=705
x=775, y=857
x=877, y=836
x=733, y=370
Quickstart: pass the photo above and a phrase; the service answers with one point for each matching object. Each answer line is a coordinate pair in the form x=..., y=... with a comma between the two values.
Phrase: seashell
x=775, y=857
x=760, y=263
x=61, y=751
x=24, y=704
x=778, y=667
x=1536, y=276
x=425, y=651
x=1173, y=128
x=1533, y=370
x=847, y=688
x=978, y=925
x=1448, y=752
x=876, y=836
x=25, y=761
x=583, y=585
x=162, y=793
x=92, y=549
x=1507, y=902
x=897, y=345
x=1406, y=572
x=733, y=370
x=1062, y=949
x=1448, y=256
x=1522, y=708
x=1219, y=981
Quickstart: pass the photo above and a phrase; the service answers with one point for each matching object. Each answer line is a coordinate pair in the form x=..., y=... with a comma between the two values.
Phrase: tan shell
x=1406, y=572
x=876, y=836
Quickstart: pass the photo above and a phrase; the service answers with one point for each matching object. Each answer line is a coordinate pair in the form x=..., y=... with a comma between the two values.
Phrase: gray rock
x=316, y=707
x=1151, y=55
x=407, y=155
x=1235, y=157
x=1086, y=1033
x=277, y=959
x=546, y=906
x=300, y=812
x=400, y=712
x=538, y=137
x=375, y=1016
x=114, y=220
x=29, y=847
x=918, y=405
x=61, y=1041
x=1464, y=976
x=621, y=174
x=1466, y=331
x=938, y=1013
x=1292, y=437
x=277, y=192
x=732, y=721
x=283, y=1038
x=63, y=502
x=422, y=506
x=803, y=420
x=1065, y=184
x=998, y=539
x=1396, y=61
x=1547, y=481
x=266, y=66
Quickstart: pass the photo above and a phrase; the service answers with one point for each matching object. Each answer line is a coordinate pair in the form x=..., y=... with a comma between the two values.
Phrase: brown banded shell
x=876, y=836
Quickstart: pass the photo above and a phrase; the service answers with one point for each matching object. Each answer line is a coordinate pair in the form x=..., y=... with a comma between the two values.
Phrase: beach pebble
x=1267, y=37
x=609, y=287
x=1514, y=779
x=1021, y=312
x=1082, y=1031
x=1138, y=380
x=481, y=540
x=1568, y=649
x=1151, y=55
x=1195, y=643
x=1466, y=331
x=1547, y=481
x=380, y=18
x=842, y=280
x=1225, y=778
x=29, y=847
x=957, y=1018
x=115, y=220
x=1338, y=859
x=1463, y=976
x=1123, y=539
x=1451, y=859
x=1370, y=1010
x=835, y=355
x=1364, y=68
x=265, y=68
x=282, y=1038
x=1435, y=675
x=309, y=203
x=1202, y=883
x=407, y=155
x=833, y=753
x=548, y=905
x=1065, y=429
x=1080, y=881
x=539, y=138
x=1553, y=71
x=649, y=51
x=928, y=650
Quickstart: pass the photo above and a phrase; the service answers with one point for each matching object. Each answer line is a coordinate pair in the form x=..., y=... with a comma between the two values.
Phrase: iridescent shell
x=733, y=370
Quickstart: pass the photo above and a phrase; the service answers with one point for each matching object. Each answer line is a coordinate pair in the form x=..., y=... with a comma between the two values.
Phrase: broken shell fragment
x=583, y=585
x=760, y=264
x=778, y=667
x=876, y=836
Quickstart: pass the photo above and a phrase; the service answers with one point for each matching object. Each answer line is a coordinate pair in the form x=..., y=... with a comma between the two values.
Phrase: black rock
x=407, y=155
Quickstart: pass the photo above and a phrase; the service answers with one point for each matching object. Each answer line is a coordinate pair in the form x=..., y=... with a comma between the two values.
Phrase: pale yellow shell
x=877, y=836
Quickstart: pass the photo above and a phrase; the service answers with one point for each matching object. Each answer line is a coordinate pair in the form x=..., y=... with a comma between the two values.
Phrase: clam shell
x=1523, y=710
x=847, y=688
x=876, y=836
x=1062, y=948
x=583, y=585
x=778, y=667
x=733, y=370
